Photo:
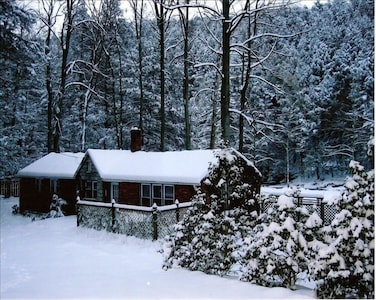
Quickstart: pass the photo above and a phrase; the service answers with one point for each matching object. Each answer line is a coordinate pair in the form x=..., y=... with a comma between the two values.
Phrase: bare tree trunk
x=184, y=17
x=138, y=20
x=161, y=28
x=225, y=87
x=83, y=122
x=246, y=72
x=66, y=33
x=47, y=51
x=213, y=126
x=49, y=21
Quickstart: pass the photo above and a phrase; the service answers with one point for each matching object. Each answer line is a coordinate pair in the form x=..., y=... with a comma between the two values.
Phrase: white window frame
x=164, y=194
x=160, y=198
x=93, y=185
x=149, y=196
x=152, y=195
x=114, y=192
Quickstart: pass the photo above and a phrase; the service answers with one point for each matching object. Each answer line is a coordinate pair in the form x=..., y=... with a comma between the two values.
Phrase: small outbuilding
x=54, y=173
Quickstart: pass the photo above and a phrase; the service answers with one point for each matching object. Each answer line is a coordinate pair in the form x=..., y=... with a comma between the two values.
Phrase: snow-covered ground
x=52, y=258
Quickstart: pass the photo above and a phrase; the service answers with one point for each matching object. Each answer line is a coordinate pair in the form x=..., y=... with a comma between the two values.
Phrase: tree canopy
x=298, y=97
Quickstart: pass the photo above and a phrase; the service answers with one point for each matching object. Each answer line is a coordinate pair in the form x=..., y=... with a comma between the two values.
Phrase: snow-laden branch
x=261, y=35
x=342, y=149
x=79, y=83
x=191, y=5
x=277, y=88
x=250, y=120
x=92, y=67
x=218, y=52
x=209, y=65
x=201, y=91
x=245, y=12
x=210, y=31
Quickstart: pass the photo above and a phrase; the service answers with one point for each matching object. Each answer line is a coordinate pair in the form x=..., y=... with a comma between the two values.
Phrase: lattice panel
x=95, y=217
x=329, y=213
x=135, y=223
x=326, y=212
x=166, y=222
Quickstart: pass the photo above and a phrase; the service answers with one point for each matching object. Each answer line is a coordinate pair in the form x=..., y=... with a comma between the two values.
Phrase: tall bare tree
x=162, y=17
x=64, y=40
x=184, y=20
x=48, y=17
x=137, y=7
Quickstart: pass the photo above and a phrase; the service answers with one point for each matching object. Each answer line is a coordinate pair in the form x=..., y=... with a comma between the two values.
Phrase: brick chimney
x=136, y=139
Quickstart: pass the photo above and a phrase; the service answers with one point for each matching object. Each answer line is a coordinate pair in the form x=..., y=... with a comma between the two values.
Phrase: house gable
x=91, y=184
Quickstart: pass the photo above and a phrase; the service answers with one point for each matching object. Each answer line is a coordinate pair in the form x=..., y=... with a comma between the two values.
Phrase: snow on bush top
x=285, y=202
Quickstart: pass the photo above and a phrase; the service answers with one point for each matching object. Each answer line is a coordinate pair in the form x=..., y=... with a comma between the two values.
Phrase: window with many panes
x=145, y=195
x=169, y=194
x=91, y=189
x=157, y=194
x=161, y=194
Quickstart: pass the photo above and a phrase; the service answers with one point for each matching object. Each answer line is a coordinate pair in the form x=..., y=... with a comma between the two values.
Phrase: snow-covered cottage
x=142, y=178
x=136, y=177
x=54, y=173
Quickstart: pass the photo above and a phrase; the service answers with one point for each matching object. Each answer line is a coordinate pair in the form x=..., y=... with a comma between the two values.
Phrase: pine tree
x=177, y=248
x=207, y=239
x=345, y=268
x=275, y=254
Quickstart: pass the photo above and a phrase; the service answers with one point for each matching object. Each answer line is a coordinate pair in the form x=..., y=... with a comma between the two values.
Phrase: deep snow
x=52, y=258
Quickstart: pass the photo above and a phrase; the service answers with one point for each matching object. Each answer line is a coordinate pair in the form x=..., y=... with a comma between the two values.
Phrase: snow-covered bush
x=345, y=267
x=56, y=207
x=234, y=181
x=208, y=237
x=274, y=254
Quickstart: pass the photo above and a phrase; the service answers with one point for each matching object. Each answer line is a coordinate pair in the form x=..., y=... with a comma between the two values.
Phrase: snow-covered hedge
x=206, y=240
x=208, y=237
x=273, y=249
x=344, y=267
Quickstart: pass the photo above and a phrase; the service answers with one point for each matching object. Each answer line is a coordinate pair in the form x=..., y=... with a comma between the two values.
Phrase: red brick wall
x=129, y=193
x=184, y=193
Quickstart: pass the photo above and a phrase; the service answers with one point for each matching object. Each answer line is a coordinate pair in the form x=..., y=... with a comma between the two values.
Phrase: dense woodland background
x=291, y=87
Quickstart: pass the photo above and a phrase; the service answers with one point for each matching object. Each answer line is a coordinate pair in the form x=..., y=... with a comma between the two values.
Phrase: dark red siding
x=184, y=193
x=129, y=193
x=67, y=190
x=36, y=195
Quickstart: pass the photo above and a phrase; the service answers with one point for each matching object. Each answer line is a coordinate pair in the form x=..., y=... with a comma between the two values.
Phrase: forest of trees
x=291, y=87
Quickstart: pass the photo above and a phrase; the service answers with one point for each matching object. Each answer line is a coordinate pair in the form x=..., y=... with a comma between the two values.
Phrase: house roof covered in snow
x=54, y=165
x=168, y=167
x=188, y=166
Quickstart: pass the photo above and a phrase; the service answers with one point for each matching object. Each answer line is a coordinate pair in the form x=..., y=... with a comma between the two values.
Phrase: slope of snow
x=52, y=258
